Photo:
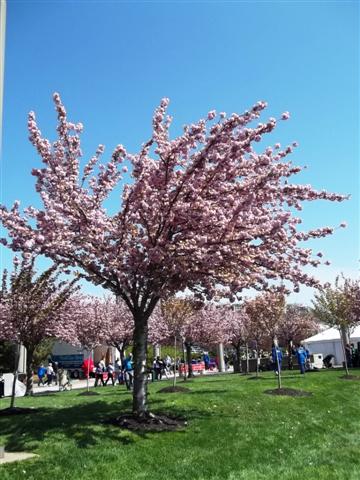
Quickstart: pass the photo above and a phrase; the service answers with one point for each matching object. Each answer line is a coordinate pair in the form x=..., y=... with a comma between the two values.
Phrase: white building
x=329, y=342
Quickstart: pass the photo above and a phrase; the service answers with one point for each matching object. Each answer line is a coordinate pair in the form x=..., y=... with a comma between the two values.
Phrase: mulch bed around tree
x=289, y=392
x=150, y=423
x=6, y=412
x=174, y=390
x=350, y=377
x=88, y=394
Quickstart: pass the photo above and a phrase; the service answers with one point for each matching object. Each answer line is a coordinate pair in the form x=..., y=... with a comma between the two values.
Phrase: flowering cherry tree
x=176, y=313
x=204, y=327
x=33, y=308
x=339, y=306
x=296, y=324
x=202, y=211
x=238, y=333
x=117, y=324
x=266, y=311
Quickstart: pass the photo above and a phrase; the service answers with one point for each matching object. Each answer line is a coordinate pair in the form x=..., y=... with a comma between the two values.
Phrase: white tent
x=328, y=342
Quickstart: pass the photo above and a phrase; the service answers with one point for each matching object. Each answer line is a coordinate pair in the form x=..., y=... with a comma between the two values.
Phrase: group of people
x=352, y=355
x=121, y=372
x=302, y=355
x=46, y=375
x=162, y=366
x=52, y=373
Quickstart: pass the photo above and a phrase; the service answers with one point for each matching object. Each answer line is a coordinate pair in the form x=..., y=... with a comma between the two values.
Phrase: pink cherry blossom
x=202, y=211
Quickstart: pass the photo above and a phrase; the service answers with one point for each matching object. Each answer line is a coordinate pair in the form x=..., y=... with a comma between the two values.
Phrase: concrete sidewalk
x=76, y=384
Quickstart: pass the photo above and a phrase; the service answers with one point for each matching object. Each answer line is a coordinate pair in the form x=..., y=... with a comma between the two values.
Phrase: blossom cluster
x=203, y=210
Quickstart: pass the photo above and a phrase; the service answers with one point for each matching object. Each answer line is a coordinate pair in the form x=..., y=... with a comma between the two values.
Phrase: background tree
x=297, y=323
x=43, y=351
x=87, y=325
x=205, y=327
x=258, y=336
x=237, y=331
x=176, y=312
x=339, y=307
x=267, y=311
x=201, y=211
x=33, y=308
x=117, y=325
x=7, y=356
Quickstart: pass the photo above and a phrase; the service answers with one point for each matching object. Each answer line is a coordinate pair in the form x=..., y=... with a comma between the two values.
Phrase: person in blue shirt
x=206, y=359
x=41, y=374
x=302, y=356
x=129, y=371
x=276, y=356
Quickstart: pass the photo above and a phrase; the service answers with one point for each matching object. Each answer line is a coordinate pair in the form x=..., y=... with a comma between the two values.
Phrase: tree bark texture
x=290, y=359
x=247, y=359
x=140, y=406
x=188, y=358
x=344, y=341
x=237, y=359
x=29, y=371
x=174, y=381
x=16, y=368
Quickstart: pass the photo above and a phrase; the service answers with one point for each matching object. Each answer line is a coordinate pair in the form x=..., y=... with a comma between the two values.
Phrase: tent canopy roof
x=331, y=334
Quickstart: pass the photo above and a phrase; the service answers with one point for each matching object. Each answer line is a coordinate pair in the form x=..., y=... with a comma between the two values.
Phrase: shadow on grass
x=81, y=423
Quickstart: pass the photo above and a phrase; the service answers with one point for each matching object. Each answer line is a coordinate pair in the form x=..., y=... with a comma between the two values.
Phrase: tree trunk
x=344, y=340
x=277, y=363
x=122, y=353
x=247, y=359
x=237, y=359
x=29, y=371
x=88, y=373
x=174, y=381
x=16, y=368
x=140, y=338
x=290, y=360
x=188, y=358
x=257, y=360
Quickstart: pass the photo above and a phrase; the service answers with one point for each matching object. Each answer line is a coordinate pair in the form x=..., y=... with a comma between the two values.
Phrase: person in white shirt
x=49, y=374
x=110, y=372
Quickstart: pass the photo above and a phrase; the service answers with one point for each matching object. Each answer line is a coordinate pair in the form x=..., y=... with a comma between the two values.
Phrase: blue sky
x=113, y=61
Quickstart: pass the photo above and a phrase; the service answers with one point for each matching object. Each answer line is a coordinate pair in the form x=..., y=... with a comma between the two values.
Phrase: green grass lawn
x=234, y=432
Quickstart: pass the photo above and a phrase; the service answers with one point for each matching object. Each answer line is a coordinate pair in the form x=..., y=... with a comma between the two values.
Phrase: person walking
x=158, y=367
x=276, y=356
x=110, y=373
x=49, y=374
x=206, y=359
x=56, y=375
x=118, y=371
x=41, y=374
x=99, y=375
x=129, y=371
x=302, y=356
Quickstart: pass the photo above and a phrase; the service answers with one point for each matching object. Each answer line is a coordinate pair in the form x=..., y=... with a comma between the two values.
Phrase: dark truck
x=72, y=363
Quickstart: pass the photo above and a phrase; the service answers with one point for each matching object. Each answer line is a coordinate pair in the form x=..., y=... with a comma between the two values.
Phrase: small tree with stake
x=297, y=323
x=236, y=325
x=33, y=308
x=178, y=313
x=339, y=306
x=85, y=328
x=266, y=311
x=203, y=210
